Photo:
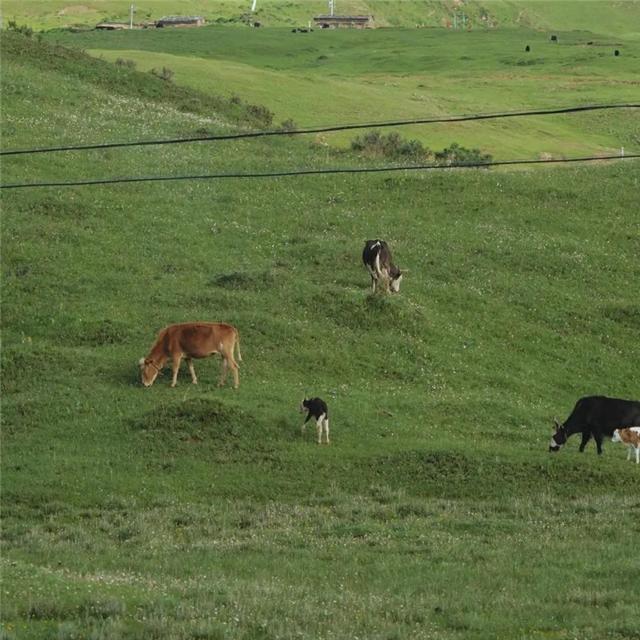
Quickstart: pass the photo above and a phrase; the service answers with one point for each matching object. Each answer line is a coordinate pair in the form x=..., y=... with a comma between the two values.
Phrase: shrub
x=288, y=125
x=124, y=62
x=390, y=146
x=260, y=113
x=393, y=146
x=25, y=30
x=455, y=154
x=165, y=74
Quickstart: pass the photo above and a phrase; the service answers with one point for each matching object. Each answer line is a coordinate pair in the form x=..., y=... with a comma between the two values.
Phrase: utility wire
x=307, y=172
x=324, y=129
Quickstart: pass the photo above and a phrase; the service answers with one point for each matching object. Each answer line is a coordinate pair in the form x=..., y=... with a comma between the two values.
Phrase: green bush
x=455, y=154
x=390, y=146
x=393, y=146
x=165, y=74
x=25, y=30
x=124, y=62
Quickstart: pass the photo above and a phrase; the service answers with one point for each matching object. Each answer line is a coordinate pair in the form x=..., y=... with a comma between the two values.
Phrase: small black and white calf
x=377, y=258
x=316, y=408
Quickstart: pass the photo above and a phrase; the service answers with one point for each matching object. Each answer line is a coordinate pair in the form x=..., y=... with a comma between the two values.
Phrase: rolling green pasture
x=621, y=18
x=335, y=77
x=200, y=512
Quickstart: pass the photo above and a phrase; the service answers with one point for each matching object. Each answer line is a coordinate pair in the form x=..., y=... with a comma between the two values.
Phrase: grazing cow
x=316, y=408
x=631, y=437
x=192, y=340
x=376, y=256
x=597, y=417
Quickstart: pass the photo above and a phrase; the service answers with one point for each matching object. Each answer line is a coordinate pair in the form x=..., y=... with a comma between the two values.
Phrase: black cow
x=597, y=417
x=376, y=256
x=316, y=408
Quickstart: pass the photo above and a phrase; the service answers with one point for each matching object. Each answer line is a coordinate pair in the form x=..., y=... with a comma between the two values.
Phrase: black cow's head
x=558, y=439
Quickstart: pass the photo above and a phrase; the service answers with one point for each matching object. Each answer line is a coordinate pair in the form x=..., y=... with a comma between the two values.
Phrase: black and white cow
x=376, y=256
x=597, y=417
x=316, y=408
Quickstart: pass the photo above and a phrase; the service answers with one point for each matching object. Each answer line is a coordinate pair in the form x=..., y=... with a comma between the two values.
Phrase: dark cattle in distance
x=377, y=258
x=596, y=417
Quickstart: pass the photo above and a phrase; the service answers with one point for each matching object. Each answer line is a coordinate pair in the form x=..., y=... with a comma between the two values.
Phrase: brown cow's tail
x=238, y=346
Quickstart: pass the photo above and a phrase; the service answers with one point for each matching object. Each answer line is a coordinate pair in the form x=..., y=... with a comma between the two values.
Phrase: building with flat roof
x=180, y=21
x=344, y=22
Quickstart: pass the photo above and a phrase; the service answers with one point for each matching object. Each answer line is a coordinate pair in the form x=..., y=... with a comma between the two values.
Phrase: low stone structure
x=344, y=22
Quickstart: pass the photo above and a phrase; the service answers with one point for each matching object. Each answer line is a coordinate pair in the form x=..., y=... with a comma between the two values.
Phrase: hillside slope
x=205, y=513
x=620, y=18
x=336, y=77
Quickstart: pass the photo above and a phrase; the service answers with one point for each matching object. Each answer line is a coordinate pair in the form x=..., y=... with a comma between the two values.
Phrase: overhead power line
x=324, y=129
x=307, y=172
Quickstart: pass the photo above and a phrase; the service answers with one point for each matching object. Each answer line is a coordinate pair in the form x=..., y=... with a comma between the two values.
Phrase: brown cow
x=192, y=340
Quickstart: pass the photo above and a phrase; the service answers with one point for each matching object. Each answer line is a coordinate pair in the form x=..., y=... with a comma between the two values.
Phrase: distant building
x=344, y=22
x=180, y=21
x=112, y=26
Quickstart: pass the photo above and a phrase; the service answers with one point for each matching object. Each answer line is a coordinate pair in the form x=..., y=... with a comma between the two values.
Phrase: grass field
x=392, y=74
x=200, y=512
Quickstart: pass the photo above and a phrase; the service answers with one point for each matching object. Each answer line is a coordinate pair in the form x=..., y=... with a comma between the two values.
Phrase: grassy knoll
x=199, y=512
x=388, y=74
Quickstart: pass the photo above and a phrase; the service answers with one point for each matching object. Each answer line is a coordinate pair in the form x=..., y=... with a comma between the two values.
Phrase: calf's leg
x=326, y=429
x=319, y=428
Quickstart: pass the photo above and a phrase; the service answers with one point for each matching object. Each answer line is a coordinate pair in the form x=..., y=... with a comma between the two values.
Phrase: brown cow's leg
x=192, y=371
x=234, y=370
x=229, y=362
x=176, y=366
x=223, y=373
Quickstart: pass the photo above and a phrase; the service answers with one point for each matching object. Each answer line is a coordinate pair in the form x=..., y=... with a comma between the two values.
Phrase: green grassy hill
x=620, y=18
x=350, y=76
x=199, y=512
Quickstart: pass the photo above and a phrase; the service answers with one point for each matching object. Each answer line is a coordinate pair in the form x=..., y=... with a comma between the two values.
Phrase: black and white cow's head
x=395, y=278
x=558, y=439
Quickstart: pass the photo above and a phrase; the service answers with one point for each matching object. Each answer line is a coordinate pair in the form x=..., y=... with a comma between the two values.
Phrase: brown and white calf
x=631, y=437
x=376, y=257
x=192, y=340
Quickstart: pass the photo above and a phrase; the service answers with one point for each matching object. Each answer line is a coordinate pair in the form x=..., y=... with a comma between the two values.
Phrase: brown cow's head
x=148, y=371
